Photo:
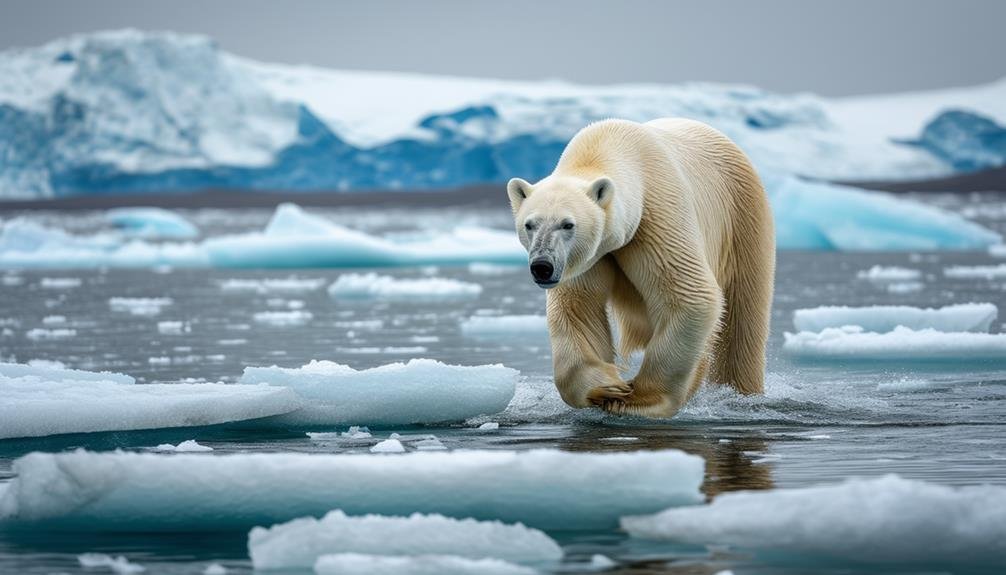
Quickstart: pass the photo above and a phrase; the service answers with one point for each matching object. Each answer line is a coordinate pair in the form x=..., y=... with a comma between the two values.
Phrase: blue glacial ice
x=42, y=401
x=883, y=520
x=975, y=317
x=420, y=391
x=299, y=543
x=966, y=140
x=363, y=564
x=191, y=492
x=151, y=223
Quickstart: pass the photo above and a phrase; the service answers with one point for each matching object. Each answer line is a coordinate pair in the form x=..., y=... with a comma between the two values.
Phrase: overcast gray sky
x=834, y=48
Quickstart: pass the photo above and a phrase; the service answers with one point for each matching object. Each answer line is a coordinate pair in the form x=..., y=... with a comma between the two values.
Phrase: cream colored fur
x=680, y=251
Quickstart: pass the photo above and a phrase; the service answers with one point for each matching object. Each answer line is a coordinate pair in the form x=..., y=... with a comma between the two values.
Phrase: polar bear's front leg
x=582, y=350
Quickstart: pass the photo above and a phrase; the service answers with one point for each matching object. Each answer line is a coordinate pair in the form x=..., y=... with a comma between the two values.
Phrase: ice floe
x=42, y=333
x=900, y=344
x=299, y=543
x=371, y=286
x=289, y=318
x=173, y=327
x=272, y=285
x=989, y=272
x=388, y=446
x=60, y=283
x=975, y=317
x=362, y=564
x=883, y=274
x=123, y=491
x=139, y=305
x=40, y=401
x=119, y=565
x=150, y=222
x=187, y=446
x=886, y=519
x=504, y=324
x=420, y=391
x=488, y=269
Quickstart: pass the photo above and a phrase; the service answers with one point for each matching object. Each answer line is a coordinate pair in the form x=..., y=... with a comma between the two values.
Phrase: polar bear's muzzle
x=543, y=273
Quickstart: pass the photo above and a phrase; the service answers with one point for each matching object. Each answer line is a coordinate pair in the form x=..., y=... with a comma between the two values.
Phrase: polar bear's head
x=560, y=221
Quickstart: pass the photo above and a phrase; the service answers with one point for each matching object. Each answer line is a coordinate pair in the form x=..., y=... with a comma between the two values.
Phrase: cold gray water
x=817, y=423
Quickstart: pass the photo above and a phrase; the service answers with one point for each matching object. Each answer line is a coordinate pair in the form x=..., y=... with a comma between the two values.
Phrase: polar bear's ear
x=601, y=191
x=518, y=191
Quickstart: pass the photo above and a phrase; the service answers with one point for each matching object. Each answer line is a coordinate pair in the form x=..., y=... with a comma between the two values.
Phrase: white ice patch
x=974, y=317
x=42, y=333
x=125, y=491
x=272, y=285
x=991, y=272
x=388, y=446
x=887, y=519
x=151, y=222
x=998, y=251
x=60, y=283
x=488, y=269
x=881, y=274
x=187, y=446
x=373, y=286
x=504, y=324
x=145, y=306
x=173, y=327
x=362, y=564
x=299, y=543
x=420, y=391
x=119, y=565
x=901, y=344
x=40, y=401
x=290, y=318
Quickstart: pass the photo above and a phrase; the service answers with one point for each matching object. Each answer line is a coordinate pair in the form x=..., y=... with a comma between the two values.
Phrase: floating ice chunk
x=420, y=391
x=883, y=274
x=151, y=223
x=173, y=327
x=600, y=562
x=125, y=491
x=41, y=333
x=976, y=317
x=215, y=569
x=119, y=564
x=362, y=564
x=47, y=401
x=272, y=285
x=901, y=344
x=283, y=318
x=139, y=305
x=371, y=285
x=887, y=519
x=431, y=444
x=54, y=371
x=388, y=446
x=54, y=320
x=298, y=543
x=976, y=272
x=905, y=287
x=60, y=283
x=489, y=426
x=488, y=269
x=187, y=446
x=504, y=324
x=998, y=251
x=356, y=432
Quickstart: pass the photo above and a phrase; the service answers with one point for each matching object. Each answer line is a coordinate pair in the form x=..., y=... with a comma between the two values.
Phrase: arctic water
x=818, y=423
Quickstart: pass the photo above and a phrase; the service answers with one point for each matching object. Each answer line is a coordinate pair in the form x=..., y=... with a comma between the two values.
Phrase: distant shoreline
x=486, y=195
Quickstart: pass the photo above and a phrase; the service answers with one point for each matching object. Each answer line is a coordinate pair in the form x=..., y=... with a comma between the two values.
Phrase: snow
x=373, y=286
x=886, y=519
x=119, y=564
x=504, y=324
x=361, y=564
x=290, y=318
x=388, y=446
x=40, y=401
x=420, y=391
x=990, y=272
x=900, y=344
x=974, y=317
x=151, y=223
x=187, y=446
x=881, y=274
x=139, y=305
x=125, y=491
x=299, y=543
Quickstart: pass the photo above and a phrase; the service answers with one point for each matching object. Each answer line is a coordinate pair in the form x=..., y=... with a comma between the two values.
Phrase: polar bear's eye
x=567, y=226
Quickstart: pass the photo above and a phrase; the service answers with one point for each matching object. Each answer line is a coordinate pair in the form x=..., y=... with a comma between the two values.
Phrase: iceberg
x=420, y=391
x=504, y=324
x=361, y=564
x=886, y=519
x=299, y=543
x=901, y=344
x=965, y=140
x=371, y=285
x=991, y=272
x=974, y=317
x=122, y=491
x=42, y=401
x=151, y=223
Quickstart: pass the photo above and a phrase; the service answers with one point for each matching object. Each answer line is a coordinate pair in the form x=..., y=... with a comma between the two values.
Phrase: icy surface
x=496, y=325
x=151, y=223
x=361, y=564
x=900, y=344
x=291, y=318
x=301, y=541
x=146, y=491
x=119, y=564
x=990, y=272
x=420, y=391
x=975, y=317
x=272, y=285
x=187, y=446
x=887, y=519
x=368, y=286
x=48, y=401
x=388, y=446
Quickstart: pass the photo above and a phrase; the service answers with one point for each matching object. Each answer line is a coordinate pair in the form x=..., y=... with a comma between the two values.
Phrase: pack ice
x=420, y=391
x=40, y=401
x=900, y=344
x=373, y=286
x=122, y=491
x=887, y=519
x=975, y=317
x=299, y=543
x=504, y=324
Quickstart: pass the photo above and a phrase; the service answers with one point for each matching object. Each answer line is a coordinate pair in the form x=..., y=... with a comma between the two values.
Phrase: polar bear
x=666, y=223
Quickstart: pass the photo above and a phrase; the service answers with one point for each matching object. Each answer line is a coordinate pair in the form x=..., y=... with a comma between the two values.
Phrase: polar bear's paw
x=609, y=397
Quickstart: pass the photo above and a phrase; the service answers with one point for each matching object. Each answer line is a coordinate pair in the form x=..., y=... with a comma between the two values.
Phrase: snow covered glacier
x=132, y=111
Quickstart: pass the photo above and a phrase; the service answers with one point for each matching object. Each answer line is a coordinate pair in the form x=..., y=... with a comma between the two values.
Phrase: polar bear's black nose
x=541, y=270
